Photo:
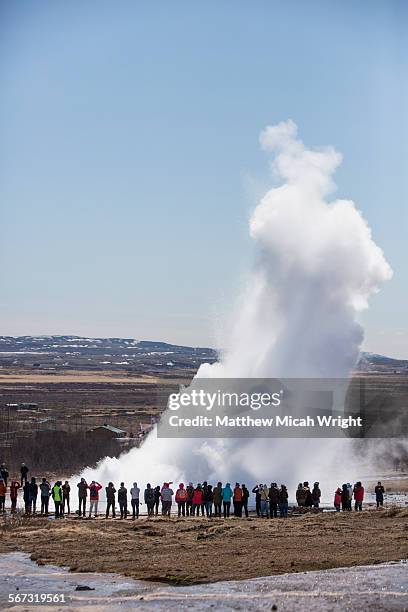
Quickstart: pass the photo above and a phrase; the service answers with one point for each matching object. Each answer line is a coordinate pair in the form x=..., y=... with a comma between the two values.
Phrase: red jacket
x=358, y=493
x=94, y=491
x=14, y=487
x=197, y=497
x=237, y=494
x=337, y=497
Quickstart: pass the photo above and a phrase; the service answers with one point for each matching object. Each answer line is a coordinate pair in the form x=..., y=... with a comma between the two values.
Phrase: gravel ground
x=187, y=551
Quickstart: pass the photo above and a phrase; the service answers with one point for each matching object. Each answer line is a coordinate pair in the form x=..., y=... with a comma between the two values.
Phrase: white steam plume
x=316, y=268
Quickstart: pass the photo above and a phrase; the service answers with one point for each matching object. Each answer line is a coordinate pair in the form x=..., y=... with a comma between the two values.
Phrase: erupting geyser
x=316, y=268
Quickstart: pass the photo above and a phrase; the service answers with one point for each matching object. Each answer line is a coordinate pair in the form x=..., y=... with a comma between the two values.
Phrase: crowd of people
x=343, y=497
x=202, y=499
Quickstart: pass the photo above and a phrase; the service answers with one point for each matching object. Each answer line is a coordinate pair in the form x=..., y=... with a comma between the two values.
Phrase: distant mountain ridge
x=372, y=362
x=67, y=352
x=57, y=352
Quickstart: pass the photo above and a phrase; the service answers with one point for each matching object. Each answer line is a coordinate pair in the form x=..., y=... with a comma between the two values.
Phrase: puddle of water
x=383, y=587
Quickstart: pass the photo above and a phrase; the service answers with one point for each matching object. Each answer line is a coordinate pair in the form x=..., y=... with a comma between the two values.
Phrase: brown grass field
x=74, y=376
x=78, y=400
x=192, y=550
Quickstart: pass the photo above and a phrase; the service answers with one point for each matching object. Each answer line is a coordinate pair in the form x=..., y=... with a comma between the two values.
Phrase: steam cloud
x=316, y=268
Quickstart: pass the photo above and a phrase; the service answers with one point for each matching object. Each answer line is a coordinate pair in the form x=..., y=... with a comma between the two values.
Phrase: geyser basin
x=316, y=268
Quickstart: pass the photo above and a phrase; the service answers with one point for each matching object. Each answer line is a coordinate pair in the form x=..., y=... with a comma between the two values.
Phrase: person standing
x=337, y=499
x=257, y=491
x=166, y=497
x=82, y=495
x=45, y=491
x=24, y=472
x=181, y=498
x=157, y=496
x=3, y=491
x=207, y=494
x=217, y=499
x=202, y=503
x=149, y=499
x=316, y=495
x=110, y=499
x=350, y=494
x=264, y=492
x=226, y=495
x=26, y=497
x=33, y=495
x=301, y=495
x=283, y=501
x=273, y=500
x=94, y=489
x=14, y=487
x=209, y=501
x=345, y=498
x=358, y=492
x=66, y=492
x=189, y=501
x=4, y=473
x=309, y=499
x=379, y=494
x=57, y=497
x=245, y=498
x=197, y=500
x=135, y=500
x=123, y=501
x=237, y=500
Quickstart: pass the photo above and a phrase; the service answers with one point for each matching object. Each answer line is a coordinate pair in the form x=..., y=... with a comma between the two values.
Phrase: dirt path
x=189, y=551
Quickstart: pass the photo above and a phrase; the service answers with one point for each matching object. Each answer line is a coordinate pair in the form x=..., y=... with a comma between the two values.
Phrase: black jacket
x=283, y=496
x=379, y=493
x=122, y=494
x=33, y=489
x=316, y=494
x=274, y=495
x=257, y=492
x=110, y=493
x=149, y=496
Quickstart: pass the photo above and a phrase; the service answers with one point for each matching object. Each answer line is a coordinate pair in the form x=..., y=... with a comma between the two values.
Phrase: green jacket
x=217, y=495
x=57, y=493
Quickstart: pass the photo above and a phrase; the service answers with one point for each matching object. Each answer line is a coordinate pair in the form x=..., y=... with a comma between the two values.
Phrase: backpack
x=181, y=495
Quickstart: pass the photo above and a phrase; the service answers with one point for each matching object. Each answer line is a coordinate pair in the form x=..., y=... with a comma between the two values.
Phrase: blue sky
x=130, y=159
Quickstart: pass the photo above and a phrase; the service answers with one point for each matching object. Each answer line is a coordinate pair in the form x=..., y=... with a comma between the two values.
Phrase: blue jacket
x=226, y=493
